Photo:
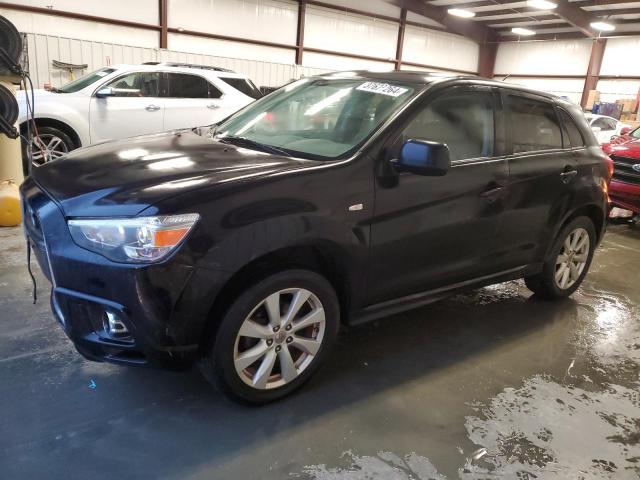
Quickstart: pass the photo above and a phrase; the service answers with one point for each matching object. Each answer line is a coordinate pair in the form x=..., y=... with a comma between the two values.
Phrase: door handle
x=568, y=174
x=213, y=106
x=152, y=108
x=492, y=192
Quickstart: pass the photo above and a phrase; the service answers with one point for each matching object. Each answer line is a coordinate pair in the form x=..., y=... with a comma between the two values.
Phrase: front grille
x=623, y=169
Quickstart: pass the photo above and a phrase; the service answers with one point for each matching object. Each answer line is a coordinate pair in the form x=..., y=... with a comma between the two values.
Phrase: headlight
x=144, y=239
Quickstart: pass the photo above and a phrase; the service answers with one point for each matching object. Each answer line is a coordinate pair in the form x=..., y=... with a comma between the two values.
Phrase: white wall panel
x=143, y=11
x=374, y=6
x=612, y=90
x=429, y=47
x=224, y=48
x=617, y=59
x=44, y=48
x=343, y=32
x=570, y=88
x=560, y=57
x=80, y=29
x=269, y=20
x=335, y=62
x=414, y=17
x=427, y=70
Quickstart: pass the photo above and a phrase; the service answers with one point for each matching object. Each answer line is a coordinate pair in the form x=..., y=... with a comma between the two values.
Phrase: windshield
x=318, y=118
x=635, y=133
x=85, y=80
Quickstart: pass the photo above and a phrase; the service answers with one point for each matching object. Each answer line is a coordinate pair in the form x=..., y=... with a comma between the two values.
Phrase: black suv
x=338, y=198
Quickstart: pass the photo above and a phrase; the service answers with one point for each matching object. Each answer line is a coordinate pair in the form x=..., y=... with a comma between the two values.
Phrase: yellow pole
x=10, y=153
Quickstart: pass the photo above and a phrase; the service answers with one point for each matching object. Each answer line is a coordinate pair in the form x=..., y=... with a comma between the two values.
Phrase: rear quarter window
x=575, y=138
x=244, y=85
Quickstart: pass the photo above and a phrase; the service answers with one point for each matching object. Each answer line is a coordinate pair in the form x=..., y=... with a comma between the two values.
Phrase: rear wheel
x=568, y=263
x=274, y=336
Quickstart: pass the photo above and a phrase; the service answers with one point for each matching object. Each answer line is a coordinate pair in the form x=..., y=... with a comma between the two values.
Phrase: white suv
x=125, y=100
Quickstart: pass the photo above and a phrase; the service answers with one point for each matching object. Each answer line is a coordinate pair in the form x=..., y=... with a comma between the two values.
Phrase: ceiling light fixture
x=541, y=4
x=522, y=31
x=462, y=13
x=603, y=26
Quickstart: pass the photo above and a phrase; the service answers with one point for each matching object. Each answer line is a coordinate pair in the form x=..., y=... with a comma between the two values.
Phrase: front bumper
x=625, y=195
x=164, y=306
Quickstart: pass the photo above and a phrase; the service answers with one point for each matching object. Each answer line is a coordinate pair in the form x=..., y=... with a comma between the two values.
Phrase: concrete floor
x=488, y=383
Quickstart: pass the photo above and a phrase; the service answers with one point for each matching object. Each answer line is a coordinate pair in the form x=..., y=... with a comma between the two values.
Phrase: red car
x=624, y=150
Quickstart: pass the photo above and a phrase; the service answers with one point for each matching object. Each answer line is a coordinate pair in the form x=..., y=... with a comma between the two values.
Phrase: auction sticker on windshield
x=382, y=88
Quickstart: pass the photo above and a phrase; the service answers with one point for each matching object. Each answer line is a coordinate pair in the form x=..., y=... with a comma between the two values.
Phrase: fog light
x=114, y=326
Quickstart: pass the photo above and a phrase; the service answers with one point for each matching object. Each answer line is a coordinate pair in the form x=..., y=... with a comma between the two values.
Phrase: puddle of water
x=585, y=424
x=383, y=466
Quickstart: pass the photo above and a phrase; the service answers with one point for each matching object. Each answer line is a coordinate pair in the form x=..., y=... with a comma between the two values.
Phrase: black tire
x=544, y=283
x=219, y=367
x=68, y=142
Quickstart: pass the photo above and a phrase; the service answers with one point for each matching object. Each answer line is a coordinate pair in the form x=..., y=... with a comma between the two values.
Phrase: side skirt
x=391, y=307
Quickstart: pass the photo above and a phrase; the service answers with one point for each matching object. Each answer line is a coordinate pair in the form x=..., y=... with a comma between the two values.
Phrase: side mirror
x=105, y=92
x=625, y=130
x=424, y=158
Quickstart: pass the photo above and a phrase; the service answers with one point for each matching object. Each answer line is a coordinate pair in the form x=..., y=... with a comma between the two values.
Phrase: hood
x=124, y=177
x=625, y=146
x=38, y=93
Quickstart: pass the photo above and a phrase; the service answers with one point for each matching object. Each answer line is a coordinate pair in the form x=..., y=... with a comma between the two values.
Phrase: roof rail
x=189, y=65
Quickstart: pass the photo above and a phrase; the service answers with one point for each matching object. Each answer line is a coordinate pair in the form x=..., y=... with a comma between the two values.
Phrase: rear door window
x=534, y=125
x=183, y=85
x=604, y=124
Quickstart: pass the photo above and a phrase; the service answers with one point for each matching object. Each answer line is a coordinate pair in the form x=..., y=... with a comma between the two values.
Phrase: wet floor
x=493, y=383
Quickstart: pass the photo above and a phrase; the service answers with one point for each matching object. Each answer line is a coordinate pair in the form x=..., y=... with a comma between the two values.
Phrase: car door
x=133, y=107
x=541, y=172
x=192, y=101
x=433, y=231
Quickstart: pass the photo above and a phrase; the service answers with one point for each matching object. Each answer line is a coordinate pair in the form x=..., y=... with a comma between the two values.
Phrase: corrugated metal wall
x=43, y=49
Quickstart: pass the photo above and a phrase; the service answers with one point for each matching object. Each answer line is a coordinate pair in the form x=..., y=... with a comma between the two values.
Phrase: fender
x=70, y=115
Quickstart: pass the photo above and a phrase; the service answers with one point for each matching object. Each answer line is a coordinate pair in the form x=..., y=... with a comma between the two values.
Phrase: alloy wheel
x=572, y=259
x=279, y=339
x=47, y=147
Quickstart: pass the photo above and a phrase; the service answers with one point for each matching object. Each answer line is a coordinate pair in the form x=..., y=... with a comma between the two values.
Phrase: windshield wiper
x=252, y=144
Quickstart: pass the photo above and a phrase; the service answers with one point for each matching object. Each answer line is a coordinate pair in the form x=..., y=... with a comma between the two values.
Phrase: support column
x=401, y=29
x=302, y=11
x=487, y=59
x=593, y=71
x=164, y=27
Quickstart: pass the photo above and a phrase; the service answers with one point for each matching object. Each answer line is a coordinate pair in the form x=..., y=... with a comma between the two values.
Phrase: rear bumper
x=625, y=195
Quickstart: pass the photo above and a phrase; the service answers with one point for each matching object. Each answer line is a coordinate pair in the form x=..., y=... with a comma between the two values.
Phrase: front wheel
x=274, y=336
x=568, y=262
x=51, y=144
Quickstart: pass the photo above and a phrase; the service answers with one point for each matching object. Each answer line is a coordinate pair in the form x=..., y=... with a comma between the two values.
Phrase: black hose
x=33, y=279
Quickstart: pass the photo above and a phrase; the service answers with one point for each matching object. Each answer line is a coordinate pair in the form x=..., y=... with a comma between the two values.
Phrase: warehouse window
x=576, y=139
x=534, y=125
x=183, y=85
x=463, y=121
x=140, y=84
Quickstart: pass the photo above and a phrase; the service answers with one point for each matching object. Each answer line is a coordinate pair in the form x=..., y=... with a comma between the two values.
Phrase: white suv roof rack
x=189, y=65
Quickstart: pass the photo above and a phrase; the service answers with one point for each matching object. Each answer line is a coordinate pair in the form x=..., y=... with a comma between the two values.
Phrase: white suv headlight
x=143, y=239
